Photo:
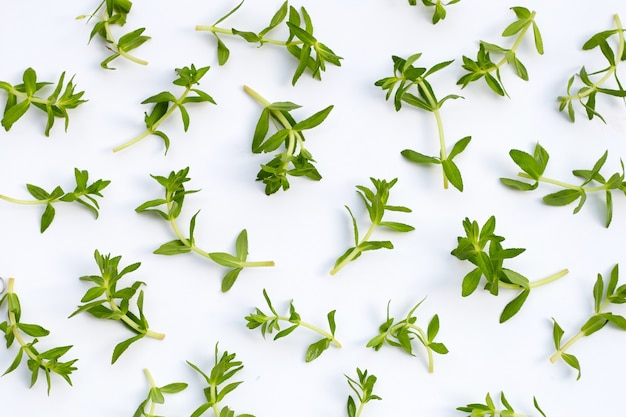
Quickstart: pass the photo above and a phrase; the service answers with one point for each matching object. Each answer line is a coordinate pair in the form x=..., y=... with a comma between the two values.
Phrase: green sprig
x=268, y=324
x=84, y=194
x=20, y=97
x=375, y=201
x=489, y=408
x=483, y=248
x=439, y=12
x=295, y=160
x=106, y=301
x=411, y=87
x=364, y=390
x=147, y=408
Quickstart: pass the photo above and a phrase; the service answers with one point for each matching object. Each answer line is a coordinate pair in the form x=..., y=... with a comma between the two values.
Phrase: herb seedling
x=270, y=323
x=175, y=193
x=364, y=390
x=224, y=369
x=533, y=167
x=376, y=204
x=115, y=12
x=21, y=96
x=407, y=78
x=155, y=396
x=489, y=263
x=489, y=408
x=187, y=78
x=48, y=362
x=439, y=5
x=602, y=299
x=586, y=95
x=106, y=301
x=301, y=43
x=401, y=334
x=84, y=194
x=485, y=67
x=288, y=133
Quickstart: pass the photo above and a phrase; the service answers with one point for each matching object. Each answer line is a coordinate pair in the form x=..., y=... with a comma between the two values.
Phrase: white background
x=306, y=228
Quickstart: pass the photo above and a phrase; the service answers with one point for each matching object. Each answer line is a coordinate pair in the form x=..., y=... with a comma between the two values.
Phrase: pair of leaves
x=489, y=407
x=364, y=390
x=155, y=395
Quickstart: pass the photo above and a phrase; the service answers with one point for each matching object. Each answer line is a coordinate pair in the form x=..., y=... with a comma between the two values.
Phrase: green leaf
x=37, y=192
x=316, y=349
x=122, y=346
x=225, y=259
x=419, y=158
x=173, y=247
x=514, y=306
x=229, y=279
x=562, y=198
x=452, y=173
x=33, y=330
x=241, y=245
x=47, y=217
x=314, y=120
x=572, y=361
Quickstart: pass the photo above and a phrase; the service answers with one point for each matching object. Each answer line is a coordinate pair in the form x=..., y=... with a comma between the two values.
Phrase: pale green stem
x=431, y=364
x=518, y=41
x=215, y=29
x=213, y=391
x=37, y=202
x=315, y=329
x=152, y=385
x=354, y=251
x=564, y=184
x=360, y=409
x=16, y=333
x=538, y=283
x=31, y=99
x=111, y=39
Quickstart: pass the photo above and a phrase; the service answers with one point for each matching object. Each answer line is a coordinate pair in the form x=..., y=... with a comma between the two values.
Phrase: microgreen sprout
x=224, y=369
x=484, y=67
x=301, y=43
x=489, y=408
x=84, y=194
x=270, y=323
x=533, y=167
x=21, y=96
x=364, y=390
x=376, y=204
x=295, y=160
x=147, y=408
x=602, y=299
x=106, y=301
x=586, y=95
x=406, y=78
x=489, y=263
x=15, y=330
x=402, y=333
x=115, y=12
x=439, y=5
x=187, y=78
x=170, y=208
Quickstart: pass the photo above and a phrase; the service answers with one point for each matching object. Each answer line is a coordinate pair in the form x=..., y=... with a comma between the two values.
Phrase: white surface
x=306, y=228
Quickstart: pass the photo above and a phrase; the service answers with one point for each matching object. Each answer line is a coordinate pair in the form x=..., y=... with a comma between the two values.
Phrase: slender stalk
x=262, y=40
x=538, y=283
x=213, y=391
x=24, y=202
x=442, y=142
x=563, y=184
x=111, y=39
x=431, y=364
x=13, y=323
x=517, y=42
x=354, y=251
x=360, y=409
x=565, y=346
x=315, y=329
x=152, y=385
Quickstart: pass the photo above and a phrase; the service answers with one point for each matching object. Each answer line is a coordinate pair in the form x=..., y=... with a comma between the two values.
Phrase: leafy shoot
x=364, y=390
x=489, y=408
x=147, y=408
x=440, y=8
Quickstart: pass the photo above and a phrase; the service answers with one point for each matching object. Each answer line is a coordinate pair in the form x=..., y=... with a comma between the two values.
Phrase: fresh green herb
x=404, y=78
x=270, y=323
x=401, y=334
x=439, y=5
x=489, y=408
x=14, y=330
x=484, y=67
x=301, y=43
x=376, y=203
x=602, y=298
x=115, y=12
x=364, y=390
x=84, y=194
x=155, y=396
x=187, y=77
x=175, y=193
x=106, y=301
x=533, y=167
x=489, y=263
x=224, y=369
x=56, y=105
x=586, y=95
x=288, y=133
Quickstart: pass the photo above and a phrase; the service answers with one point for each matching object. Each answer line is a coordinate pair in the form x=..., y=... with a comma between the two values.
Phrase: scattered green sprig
x=311, y=54
x=489, y=408
x=375, y=201
x=48, y=362
x=21, y=96
x=533, y=167
x=364, y=390
x=439, y=5
x=84, y=194
x=602, y=299
x=587, y=94
x=224, y=369
x=268, y=324
x=170, y=207
x=147, y=408
x=483, y=248
x=106, y=301
x=187, y=78
x=108, y=14
x=407, y=78
x=295, y=160
x=485, y=67
x=400, y=334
